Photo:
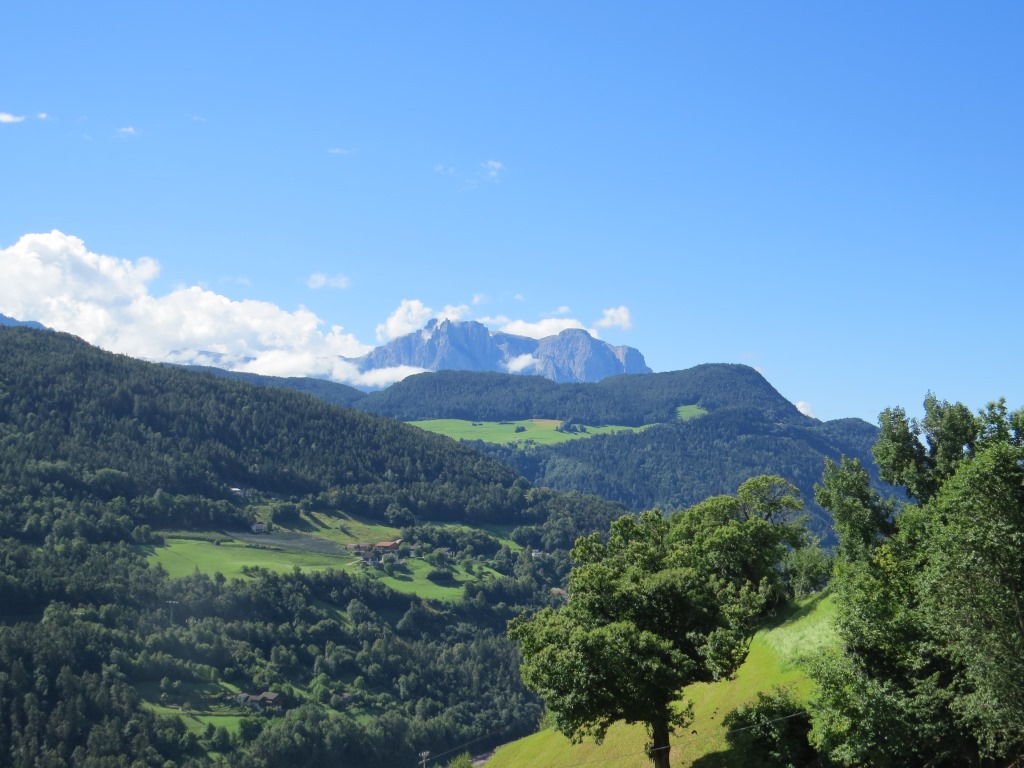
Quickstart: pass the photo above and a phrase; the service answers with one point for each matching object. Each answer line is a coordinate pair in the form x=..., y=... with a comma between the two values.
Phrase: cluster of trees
x=929, y=595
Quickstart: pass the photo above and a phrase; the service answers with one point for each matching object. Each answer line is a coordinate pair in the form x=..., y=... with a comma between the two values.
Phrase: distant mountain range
x=571, y=356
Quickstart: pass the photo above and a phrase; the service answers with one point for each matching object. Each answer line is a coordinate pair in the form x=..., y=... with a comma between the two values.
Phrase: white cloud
x=338, y=151
x=617, y=317
x=411, y=315
x=453, y=312
x=551, y=326
x=521, y=363
x=445, y=170
x=562, y=310
x=7, y=117
x=383, y=377
x=127, y=131
x=492, y=168
x=54, y=279
x=519, y=297
x=43, y=116
x=806, y=409
x=320, y=280
x=479, y=299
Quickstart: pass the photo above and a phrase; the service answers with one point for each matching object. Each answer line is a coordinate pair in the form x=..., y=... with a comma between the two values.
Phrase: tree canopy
x=929, y=596
x=655, y=605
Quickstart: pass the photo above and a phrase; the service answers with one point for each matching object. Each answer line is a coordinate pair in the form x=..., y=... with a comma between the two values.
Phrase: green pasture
x=344, y=528
x=776, y=659
x=542, y=431
x=687, y=412
x=417, y=583
x=182, y=557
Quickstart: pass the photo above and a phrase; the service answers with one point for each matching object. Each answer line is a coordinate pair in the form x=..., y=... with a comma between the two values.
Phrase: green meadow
x=777, y=658
x=219, y=553
x=542, y=431
x=182, y=557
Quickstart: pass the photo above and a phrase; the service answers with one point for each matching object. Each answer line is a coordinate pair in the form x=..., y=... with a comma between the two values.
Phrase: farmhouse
x=265, y=700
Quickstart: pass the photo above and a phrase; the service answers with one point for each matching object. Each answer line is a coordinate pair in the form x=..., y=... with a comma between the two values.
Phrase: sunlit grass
x=541, y=431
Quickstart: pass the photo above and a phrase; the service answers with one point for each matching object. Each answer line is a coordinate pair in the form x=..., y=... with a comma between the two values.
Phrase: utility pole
x=423, y=756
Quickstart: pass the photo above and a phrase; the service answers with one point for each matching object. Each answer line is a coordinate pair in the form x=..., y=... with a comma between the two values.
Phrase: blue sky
x=831, y=193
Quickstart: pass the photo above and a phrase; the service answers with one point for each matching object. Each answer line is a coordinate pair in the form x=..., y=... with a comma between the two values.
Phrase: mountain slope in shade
x=571, y=356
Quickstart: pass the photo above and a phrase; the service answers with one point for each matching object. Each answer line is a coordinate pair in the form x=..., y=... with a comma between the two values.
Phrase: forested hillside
x=672, y=466
x=93, y=425
x=628, y=400
x=104, y=661
x=329, y=391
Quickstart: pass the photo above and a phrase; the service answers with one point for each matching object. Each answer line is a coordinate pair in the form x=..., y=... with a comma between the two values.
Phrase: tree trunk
x=659, y=743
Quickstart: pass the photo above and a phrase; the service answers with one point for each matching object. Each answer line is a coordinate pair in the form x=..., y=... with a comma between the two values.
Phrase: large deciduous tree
x=660, y=604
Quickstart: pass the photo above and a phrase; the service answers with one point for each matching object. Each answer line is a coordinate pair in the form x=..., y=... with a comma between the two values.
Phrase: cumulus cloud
x=521, y=363
x=7, y=117
x=550, y=326
x=806, y=409
x=453, y=312
x=617, y=317
x=411, y=315
x=320, y=280
x=54, y=279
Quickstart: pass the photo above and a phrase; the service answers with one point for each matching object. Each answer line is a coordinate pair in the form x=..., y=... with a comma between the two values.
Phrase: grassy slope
x=183, y=556
x=776, y=658
x=542, y=431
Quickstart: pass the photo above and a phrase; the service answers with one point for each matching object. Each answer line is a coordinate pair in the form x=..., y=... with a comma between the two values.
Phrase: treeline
x=628, y=400
x=329, y=391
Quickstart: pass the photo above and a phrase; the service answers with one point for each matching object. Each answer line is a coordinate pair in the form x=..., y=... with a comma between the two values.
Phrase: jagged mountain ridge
x=570, y=356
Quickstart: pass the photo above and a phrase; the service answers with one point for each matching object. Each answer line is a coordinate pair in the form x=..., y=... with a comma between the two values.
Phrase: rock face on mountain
x=571, y=356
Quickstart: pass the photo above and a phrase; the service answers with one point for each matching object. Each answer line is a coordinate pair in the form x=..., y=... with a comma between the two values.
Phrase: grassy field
x=776, y=658
x=181, y=557
x=416, y=582
x=541, y=431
